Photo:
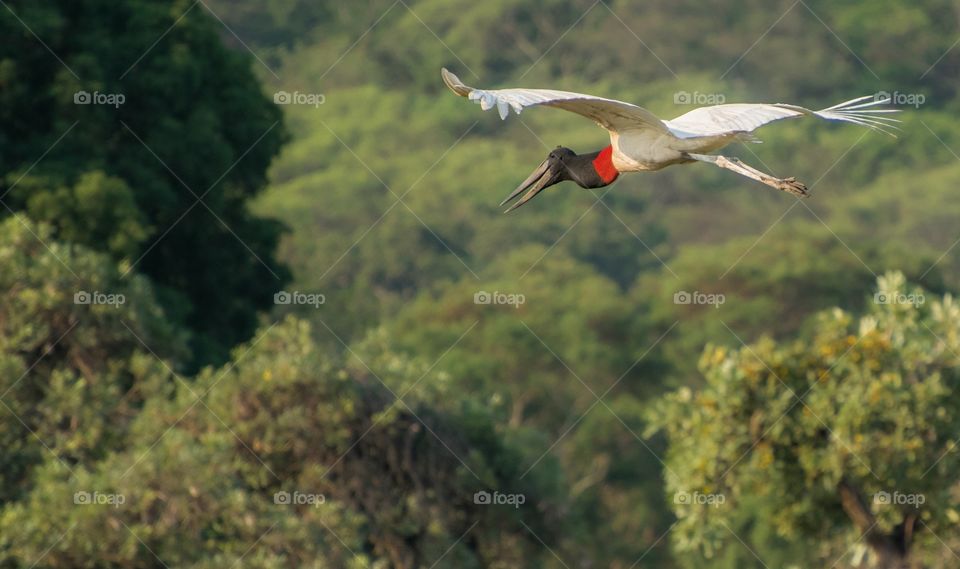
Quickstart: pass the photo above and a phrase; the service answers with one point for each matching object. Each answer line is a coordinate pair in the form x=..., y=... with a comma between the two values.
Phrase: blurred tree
x=388, y=483
x=768, y=286
x=538, y=366
x=124, y=176
x=75, y=370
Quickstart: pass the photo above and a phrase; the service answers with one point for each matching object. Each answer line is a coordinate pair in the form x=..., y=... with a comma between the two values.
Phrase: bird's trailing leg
x=790, y=185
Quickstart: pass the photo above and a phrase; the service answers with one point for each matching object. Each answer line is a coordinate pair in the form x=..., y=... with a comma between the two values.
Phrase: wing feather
x=721, y=120
x=613, y=115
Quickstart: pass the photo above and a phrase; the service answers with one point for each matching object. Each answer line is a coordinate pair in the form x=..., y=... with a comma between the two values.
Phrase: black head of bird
x=593, y=170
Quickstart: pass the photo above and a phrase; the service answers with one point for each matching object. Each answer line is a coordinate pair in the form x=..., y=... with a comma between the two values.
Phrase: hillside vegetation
x=618, y=426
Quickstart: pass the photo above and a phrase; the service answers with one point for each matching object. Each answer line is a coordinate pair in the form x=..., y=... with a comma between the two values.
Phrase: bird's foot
x=791, y=185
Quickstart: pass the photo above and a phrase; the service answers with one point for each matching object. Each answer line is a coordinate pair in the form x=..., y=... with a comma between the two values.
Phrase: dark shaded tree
x=126, y=178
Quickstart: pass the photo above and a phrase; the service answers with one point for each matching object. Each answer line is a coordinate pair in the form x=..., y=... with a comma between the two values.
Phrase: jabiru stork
x=641, y=142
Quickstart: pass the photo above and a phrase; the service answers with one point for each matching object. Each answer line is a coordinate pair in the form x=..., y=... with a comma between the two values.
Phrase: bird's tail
x=864, y=112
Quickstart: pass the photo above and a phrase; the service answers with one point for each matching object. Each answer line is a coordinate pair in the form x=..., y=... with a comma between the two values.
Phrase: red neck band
x=603, y=164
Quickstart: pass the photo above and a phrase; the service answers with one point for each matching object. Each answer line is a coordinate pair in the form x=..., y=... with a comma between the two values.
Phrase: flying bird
x=641, y=142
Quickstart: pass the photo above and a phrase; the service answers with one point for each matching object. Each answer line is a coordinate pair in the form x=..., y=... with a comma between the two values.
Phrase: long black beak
x=544, y=176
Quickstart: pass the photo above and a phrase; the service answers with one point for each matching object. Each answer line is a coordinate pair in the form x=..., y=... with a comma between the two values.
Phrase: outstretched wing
x=615, y=116
x=740, y=118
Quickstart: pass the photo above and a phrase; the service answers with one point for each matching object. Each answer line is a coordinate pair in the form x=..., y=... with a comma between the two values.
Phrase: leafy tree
x=125, y=178
x=846, y=433
x=198, y=478
x=72, y=335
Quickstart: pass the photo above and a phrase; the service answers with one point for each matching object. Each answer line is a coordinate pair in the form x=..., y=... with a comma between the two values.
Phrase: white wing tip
x=861, y=111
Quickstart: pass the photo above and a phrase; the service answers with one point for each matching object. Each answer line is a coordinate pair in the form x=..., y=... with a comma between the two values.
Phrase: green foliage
x=539, y=367
x=75, y=374
x=550, y=398
x=196, y=480
x=99, y=211
x=769, y=288
x=827, y=431
x=125, y=178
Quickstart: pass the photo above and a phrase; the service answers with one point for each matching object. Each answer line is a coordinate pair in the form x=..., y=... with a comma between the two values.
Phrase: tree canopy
x=162, y=180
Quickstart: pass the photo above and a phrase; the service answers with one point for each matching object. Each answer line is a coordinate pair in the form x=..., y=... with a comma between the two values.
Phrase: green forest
x=259, y=306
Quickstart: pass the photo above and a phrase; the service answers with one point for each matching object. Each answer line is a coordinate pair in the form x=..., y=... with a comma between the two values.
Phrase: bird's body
x=647, y=151
x=641, y=142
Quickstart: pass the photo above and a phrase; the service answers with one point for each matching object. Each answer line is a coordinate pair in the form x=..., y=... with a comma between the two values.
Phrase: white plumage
x=715, y=120
x=740, y=117
x=608, y=113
